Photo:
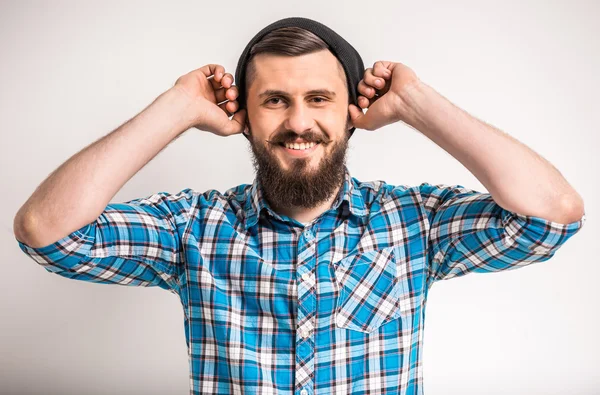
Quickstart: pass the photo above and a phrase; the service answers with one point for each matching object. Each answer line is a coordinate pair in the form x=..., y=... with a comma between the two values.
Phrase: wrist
x=412, y=103
x=179, y=106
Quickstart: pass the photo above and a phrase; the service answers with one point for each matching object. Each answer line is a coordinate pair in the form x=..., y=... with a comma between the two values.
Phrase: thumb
x=236, y=124
x=358, y=118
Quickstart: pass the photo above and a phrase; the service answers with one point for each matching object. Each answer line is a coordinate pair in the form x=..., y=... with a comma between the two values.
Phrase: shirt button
x=306, y=276
x=304, y=392
x=304, y=333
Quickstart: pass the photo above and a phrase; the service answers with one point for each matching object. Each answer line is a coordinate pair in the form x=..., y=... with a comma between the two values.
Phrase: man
x=308, y=281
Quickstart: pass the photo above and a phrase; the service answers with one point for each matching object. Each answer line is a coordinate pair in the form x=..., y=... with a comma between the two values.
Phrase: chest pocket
x=373, y=290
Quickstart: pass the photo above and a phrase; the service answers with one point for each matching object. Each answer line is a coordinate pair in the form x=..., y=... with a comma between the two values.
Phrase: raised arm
x=518, y=179
x=78, y=191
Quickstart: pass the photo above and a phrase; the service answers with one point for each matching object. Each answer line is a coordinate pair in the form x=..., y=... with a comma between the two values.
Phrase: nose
x=299, y=119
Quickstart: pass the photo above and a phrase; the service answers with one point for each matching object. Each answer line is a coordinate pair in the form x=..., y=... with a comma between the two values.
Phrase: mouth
x=301, y=149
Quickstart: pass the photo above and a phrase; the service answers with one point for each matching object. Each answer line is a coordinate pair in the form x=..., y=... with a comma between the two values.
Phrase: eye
x=270, y=100
x=320, y=99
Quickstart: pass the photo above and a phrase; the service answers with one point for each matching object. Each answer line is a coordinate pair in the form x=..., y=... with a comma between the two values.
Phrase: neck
x=306, y=215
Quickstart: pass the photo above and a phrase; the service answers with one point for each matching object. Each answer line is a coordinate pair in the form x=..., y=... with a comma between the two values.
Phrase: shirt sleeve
x=470, y=232
x=136, y=243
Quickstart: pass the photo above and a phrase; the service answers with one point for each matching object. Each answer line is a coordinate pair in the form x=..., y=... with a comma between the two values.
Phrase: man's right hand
x=205, y=88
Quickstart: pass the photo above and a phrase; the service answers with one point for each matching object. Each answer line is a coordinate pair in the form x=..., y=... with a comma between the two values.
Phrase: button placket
x=304, y=333
x=306, y=311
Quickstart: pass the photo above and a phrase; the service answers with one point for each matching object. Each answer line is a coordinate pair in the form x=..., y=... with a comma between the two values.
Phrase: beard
x=300, y=185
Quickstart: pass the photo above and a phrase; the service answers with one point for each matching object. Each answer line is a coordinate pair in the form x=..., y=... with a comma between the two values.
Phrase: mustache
x=289, y=136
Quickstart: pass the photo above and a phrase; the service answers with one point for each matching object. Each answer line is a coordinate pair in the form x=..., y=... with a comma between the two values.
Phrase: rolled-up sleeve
x=136, y=243
x=469, y=232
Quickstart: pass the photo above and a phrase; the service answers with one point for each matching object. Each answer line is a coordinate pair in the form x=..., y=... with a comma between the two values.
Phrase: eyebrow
x=270, y=92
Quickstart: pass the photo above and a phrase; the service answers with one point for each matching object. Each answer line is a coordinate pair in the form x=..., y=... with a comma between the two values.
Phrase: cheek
x=334, y=121
x=263, y=124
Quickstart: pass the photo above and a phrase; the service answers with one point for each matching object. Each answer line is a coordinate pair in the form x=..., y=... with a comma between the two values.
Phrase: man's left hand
x=381, y=92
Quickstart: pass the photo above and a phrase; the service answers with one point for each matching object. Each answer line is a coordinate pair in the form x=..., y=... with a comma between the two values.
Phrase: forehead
x=317, y=70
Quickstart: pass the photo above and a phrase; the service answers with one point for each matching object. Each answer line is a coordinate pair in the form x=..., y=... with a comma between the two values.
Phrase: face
x=298, y=127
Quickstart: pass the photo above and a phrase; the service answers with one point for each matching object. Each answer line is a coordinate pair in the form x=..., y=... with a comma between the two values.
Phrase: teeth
x=301, y=146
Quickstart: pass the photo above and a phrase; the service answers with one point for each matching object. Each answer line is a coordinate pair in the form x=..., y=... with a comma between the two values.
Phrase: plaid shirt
x=273, y=306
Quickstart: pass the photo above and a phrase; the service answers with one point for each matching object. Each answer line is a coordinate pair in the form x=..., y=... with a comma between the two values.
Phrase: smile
x=299, y=149
x=301, y=146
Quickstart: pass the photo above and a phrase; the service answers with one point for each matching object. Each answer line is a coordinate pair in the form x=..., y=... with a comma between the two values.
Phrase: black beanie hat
x=346, y=54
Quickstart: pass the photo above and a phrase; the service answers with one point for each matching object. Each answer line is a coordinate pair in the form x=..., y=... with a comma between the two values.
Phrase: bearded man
x=307, y=281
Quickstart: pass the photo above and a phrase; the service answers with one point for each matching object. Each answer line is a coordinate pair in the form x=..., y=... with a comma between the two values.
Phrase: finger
x=223, y=107
x=363, y=102
x=365, y=90
x=232, y=106
x=226, y=94
x=380, y=70
x=229, y=107
x=220, y=77
x=211, y=69
x=232, y=93
x=216, y=85
x=373, y=81
x=214, y=73
x=384, y=69
x=226, y=80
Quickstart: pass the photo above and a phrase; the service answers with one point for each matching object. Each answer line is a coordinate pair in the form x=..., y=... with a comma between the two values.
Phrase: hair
x=286, y=41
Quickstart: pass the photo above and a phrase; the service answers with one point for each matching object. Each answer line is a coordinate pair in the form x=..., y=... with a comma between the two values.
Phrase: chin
x=304, y=165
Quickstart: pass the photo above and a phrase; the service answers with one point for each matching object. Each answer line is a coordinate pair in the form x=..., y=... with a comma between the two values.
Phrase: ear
x=246, y=130
x=349, y=123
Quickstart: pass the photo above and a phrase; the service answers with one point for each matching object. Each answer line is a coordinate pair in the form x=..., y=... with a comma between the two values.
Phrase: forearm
x=77, y=192
x=518, y=179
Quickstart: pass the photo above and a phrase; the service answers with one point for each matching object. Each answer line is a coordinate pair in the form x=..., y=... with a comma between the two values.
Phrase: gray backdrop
x=73, y=71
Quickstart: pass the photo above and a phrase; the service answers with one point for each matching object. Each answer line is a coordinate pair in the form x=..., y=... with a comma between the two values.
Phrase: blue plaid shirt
x=273, y=306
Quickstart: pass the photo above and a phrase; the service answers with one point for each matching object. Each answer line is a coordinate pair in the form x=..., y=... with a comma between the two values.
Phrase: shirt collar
x=255, y=201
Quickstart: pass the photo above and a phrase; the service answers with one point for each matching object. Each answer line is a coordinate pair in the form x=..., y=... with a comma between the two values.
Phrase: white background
x=71, y=72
